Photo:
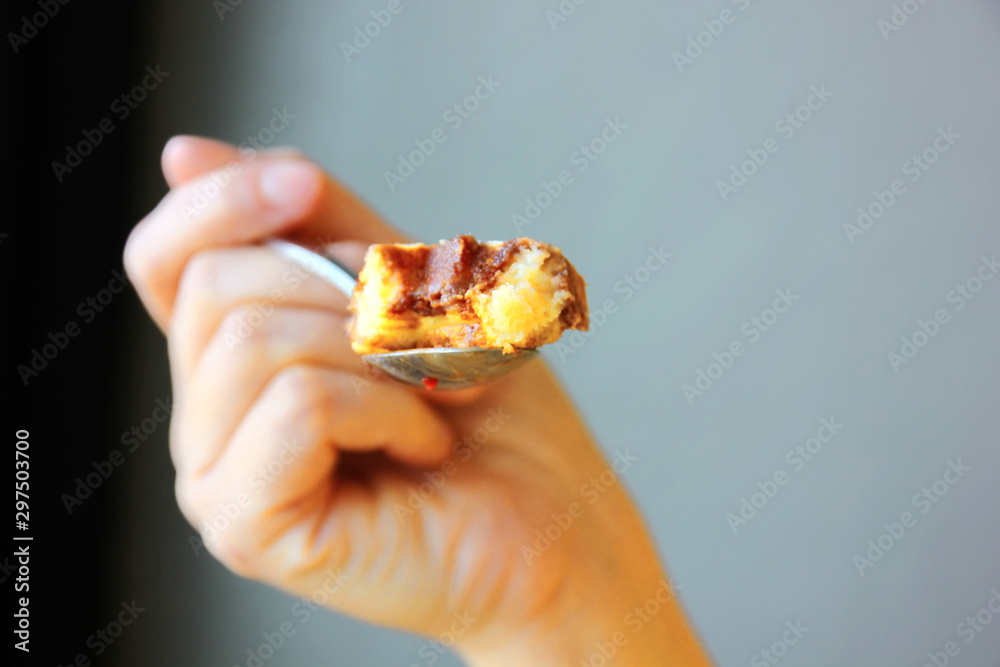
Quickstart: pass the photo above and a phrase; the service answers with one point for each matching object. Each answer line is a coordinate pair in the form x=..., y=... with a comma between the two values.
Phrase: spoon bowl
x=448, y=367
x=434, y=367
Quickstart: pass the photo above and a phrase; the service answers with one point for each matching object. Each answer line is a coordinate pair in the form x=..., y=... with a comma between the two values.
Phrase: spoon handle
x=327, y=268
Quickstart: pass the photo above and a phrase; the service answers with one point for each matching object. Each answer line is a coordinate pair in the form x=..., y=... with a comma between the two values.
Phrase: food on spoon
x=517, y=294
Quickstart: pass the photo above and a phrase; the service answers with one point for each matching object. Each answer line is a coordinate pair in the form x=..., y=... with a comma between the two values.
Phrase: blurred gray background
x=683, y=127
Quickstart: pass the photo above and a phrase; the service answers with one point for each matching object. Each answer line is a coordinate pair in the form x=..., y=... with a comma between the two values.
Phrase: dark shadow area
x=64, y=224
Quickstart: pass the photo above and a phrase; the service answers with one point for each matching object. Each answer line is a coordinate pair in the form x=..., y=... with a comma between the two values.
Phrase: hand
x=428, y=505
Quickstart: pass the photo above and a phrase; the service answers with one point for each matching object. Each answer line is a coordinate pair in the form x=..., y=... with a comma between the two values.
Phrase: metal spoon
x=432, y=367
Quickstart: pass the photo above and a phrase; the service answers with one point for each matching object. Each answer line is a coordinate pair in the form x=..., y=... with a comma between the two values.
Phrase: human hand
x=428, y=504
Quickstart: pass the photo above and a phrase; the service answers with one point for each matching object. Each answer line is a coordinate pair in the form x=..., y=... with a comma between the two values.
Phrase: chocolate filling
x=439, y=278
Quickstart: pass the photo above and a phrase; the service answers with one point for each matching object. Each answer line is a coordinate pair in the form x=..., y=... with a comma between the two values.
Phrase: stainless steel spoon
x=432, y=367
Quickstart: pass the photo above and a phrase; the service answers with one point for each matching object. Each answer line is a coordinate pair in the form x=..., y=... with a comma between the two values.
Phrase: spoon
x=430, y=367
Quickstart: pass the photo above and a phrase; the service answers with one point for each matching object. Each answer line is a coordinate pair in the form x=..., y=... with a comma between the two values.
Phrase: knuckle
x=187, y=501
x=252, y=327
x=202, y=271
x=225, y=526
x=246, y=324
x=203, y=279
x=230, y=547
x=302, y=396
x=139, y=258
x=297, y=384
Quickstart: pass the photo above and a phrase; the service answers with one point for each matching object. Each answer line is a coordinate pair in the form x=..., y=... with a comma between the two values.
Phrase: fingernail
x=290, y=186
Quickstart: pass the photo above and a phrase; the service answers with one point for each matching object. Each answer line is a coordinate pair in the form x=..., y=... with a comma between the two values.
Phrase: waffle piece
x=462, y=293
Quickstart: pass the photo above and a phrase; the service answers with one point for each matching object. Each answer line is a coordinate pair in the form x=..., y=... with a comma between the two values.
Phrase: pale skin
x=260, y=358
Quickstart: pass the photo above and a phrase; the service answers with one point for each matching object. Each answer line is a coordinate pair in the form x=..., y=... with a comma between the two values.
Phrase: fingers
x=187, y=157
x=319, y=404
x=236, y=204
x=255, y=278
x=238, y=363
x=278, y=466
x=262, y=200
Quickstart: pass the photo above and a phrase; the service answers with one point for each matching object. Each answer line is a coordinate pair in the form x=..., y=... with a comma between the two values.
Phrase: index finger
x=243, y=203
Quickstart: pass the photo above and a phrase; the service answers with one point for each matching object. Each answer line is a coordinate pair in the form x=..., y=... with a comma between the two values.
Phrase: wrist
x=601, y=630
x=634, y=620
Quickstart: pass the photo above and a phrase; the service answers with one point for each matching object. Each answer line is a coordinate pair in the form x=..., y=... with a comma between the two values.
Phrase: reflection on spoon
x=448, y=367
